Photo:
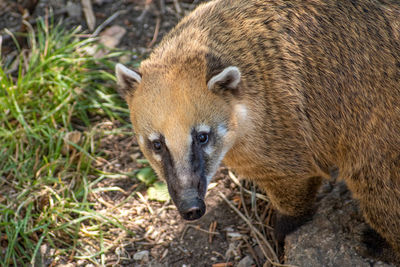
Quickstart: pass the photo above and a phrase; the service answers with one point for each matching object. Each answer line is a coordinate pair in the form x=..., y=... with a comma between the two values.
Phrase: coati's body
x=289, y=90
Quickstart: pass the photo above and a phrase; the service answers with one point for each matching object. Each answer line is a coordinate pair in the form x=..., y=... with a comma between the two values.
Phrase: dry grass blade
x=177, y=7
x=211, y=229
x=196, y=227
x=236, y=181
x=107, y=22
x=156, y=31
x=258, y=235
x=144, y=201
x=145, y=11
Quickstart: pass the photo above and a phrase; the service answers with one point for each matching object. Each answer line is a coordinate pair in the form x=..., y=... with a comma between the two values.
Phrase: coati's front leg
x=382, y=212
x=294, y=199
x=377, y=187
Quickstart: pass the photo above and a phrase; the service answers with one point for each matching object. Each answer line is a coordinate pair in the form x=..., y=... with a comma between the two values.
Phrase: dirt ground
x=221, y=237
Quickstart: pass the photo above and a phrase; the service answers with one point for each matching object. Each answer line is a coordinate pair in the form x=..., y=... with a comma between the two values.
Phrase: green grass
x=53, y=88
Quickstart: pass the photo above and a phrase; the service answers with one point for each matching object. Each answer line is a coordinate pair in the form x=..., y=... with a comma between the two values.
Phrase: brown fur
x=321, y=81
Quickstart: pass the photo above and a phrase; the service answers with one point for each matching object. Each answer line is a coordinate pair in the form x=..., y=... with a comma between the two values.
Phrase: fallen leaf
x=158, y=192
x=111, y=36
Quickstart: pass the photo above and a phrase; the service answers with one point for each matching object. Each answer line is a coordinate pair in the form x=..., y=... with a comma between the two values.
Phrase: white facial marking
x=154, y=136
x=232, y=73
x=222, y=130
x=209, y=150
x=141, y=140
x=122, y=70
x=241, y=111
x=216, y=165
x=166, y=142
x=203, y=128
x=156, y=157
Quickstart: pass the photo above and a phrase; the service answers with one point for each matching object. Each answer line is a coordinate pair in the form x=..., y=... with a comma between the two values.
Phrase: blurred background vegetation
x=52, y=96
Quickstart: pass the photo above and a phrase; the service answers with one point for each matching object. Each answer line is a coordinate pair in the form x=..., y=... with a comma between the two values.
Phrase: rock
x=246, y=262
x=142, y=256
x=333, y=236
x=234, y=235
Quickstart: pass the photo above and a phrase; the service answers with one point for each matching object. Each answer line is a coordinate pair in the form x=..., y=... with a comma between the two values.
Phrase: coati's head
x=185, y=122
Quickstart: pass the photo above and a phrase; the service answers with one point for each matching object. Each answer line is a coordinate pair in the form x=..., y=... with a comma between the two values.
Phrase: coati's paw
x=376, y=247
x=284, y=225
x=374, y=243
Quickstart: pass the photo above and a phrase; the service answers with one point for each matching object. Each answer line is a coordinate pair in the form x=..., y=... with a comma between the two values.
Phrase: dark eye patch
x=157, y=145
x=203, y=138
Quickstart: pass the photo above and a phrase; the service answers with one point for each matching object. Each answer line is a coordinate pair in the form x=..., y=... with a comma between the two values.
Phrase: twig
x=212, y=228
x=145, y=11
x=196, y=228
x=155, y=35
x=242, y=201
x=162, y=7
x=102, y=201
x=164, y=254
x=145, y=202
x=257, y=234
x=183, y=250
x=252, y=252
x=254, y=208
x=107, y=21
x=33, y=21
x=177, y=7
x=89, y=14
x=236, y=181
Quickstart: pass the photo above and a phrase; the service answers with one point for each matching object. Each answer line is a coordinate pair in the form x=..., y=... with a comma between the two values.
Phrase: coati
x=282, y=92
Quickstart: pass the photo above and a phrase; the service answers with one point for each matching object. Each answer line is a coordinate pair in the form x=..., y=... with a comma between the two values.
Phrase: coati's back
x=305, y=58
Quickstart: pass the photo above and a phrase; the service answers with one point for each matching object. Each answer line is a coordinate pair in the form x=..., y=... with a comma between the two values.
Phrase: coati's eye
x=202, y=138
x=157, y=145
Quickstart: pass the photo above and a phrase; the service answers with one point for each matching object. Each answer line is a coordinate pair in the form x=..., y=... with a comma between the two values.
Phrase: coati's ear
x=228, y=79
x=127, y=80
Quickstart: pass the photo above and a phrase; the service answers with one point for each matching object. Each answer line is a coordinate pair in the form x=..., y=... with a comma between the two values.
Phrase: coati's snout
x=191, y=206
x=195, y=210
x=188, y=195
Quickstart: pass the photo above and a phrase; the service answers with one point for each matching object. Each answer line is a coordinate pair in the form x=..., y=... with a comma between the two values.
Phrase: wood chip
x=222, y=264
x=89, y=14
x=211, y=229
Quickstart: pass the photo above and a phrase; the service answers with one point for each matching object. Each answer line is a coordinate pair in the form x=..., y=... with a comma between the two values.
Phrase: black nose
x=194, y=211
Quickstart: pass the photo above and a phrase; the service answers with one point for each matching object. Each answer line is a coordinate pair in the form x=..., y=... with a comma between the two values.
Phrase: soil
x=220, y=237
x=160, y=236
